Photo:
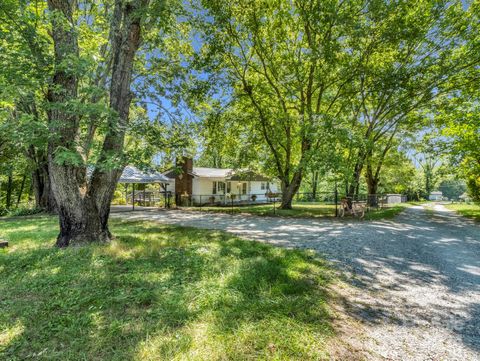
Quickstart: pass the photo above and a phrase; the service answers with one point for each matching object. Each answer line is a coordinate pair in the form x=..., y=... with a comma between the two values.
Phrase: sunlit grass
x=159, y=292
x=387, y=212
x=300, y=209
x=468, y=210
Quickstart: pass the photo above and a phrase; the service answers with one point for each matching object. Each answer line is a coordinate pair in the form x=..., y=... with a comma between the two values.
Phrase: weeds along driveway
x=416, y=278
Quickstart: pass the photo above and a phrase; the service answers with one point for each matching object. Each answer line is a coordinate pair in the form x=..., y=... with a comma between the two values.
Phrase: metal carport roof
x=132, y=174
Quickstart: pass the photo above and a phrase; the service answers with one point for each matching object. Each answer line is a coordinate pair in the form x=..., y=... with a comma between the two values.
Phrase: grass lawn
x=304, y=210
x=300, y=209
x=387, y=212
x=159, y=292
x=467, y=210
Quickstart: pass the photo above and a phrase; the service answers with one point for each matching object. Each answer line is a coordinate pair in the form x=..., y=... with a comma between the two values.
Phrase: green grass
x=159, y=292
x=387, y=212
x=467, y=210
x=303, y=210
x=300, y=209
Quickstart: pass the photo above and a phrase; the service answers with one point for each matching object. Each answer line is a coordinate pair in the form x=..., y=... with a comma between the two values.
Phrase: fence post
x=274, y=212
x=336, y=199
x=231, y=204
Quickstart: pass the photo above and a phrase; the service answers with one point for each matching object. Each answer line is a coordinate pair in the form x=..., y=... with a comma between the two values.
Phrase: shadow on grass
x=159, y=292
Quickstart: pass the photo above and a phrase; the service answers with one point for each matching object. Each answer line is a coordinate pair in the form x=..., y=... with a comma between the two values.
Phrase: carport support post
x=162, y=190
x=133, y=196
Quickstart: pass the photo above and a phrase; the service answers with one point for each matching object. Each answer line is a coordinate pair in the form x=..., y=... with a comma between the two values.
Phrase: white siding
x=394, y=198
x=202, y=190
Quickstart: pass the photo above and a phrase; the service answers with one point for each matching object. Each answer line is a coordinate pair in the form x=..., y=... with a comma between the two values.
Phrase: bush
x=473, y=185
x=22, y=211
x=119, y=197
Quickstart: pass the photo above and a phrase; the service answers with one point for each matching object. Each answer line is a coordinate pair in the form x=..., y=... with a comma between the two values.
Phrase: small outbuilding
x=132, y=176
x=435, y=196
x=394, y=198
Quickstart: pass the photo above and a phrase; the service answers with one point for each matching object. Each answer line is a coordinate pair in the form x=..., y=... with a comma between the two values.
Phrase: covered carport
x=133, y=176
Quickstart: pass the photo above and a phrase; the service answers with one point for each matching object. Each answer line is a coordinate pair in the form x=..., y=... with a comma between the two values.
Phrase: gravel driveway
x=416, y=279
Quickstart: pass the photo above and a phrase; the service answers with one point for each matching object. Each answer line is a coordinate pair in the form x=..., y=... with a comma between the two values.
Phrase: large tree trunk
x=372, y=184
x=78, y=219
x=357, y=172
x=83, y=206
x=289, y=189
x=125, y=43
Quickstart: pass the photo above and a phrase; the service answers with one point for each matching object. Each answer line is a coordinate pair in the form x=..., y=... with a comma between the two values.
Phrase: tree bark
x=20, y=192
x=44, y=197
x=125, y=45
x=357, y=172
x=289, y=189
x=372, y=185
x=77, y=216
x=8, y=198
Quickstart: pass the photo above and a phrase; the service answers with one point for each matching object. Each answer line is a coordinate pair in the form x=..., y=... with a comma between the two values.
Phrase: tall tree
x=458, y=114
x=288, y=65
x=84, y=204
x=27, y=57
x=404, y=72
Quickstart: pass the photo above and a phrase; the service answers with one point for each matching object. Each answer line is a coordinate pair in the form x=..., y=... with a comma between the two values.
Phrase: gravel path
x=416, y=279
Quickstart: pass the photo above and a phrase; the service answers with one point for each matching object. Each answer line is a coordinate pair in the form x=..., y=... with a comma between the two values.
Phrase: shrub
x=23, y=211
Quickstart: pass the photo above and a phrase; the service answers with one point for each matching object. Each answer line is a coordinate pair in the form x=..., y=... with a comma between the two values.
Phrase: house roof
x=211, y=172
x=224, y=173
x=436, y=193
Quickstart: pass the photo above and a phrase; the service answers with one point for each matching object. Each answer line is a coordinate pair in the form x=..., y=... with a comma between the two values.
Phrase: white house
x=435, y=196
x=200, y=185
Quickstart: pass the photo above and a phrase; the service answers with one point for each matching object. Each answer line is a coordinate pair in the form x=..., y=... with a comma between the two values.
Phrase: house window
x=263, y=186
x=214, y=188
x=229, y=187
x=244, y=188
x=221, y=187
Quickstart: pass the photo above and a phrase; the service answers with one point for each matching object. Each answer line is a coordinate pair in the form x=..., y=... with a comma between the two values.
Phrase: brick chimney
x=183, y=179
x=186, y=164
